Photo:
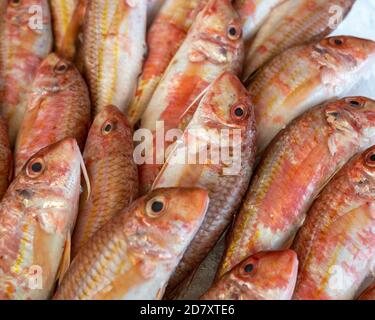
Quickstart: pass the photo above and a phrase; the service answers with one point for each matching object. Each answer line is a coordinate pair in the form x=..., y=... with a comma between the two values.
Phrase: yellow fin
x=121, y=11
x=68, y=45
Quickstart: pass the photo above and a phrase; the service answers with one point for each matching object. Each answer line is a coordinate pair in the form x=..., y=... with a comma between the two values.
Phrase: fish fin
x=179, y=291
x=68, y=47
x=190, y=110
x=327, y=181
x=121, y=11
x=65, y=260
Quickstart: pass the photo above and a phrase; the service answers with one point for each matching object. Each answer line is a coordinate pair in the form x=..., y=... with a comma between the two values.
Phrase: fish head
x=362, y=174
x=354, y=118
x=227, y=104
x=50, y=183
x=344, y=53
x=108, y=133
x=55, y=74
x=218, y=35
x=268, y=275
x=171, y=217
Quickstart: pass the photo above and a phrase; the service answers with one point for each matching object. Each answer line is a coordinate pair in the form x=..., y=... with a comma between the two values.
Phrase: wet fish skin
x=113, y=175
x=226, y=183
x=133, y=256
x=22, y=49
x=293, y=23
x=59, y=107
x=37, y=216
x=305, y=76
x=263, y=276
x=6, y=159
x=336, y=245
x=62, y=14
x=369, y=293
x=153, y=8
x=295, y=167
x=67, y=20
x=114, y=47
x=208, y=50
x=253, y=13
x=164, y=38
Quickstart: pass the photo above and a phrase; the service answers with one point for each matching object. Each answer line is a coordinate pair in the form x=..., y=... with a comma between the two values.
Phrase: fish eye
x=15, y=2
x=234, y=32
x=156, y=207
x=354, y=103
x=61, y=68
x=108, y=127
x=370, y=159
x=249, y=268
x=239, y=111
x=336, y=41
x=35, y=168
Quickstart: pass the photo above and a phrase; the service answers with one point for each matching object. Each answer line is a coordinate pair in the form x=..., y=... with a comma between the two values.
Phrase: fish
x=67, y=21
x=164, y=38
x=113, y=175
x=368, y=294
x=6, y=159
x=134, y=254
x=153, y=8
x=294, y=169
x=293, y=23
x=253, y=13
x=37, y=216
x=305, y=76
x=204, y=158
x=336, y=245
x=263, y=276
x=213, y=45
x=26, y=39
x=59, y=107
x=114, y=46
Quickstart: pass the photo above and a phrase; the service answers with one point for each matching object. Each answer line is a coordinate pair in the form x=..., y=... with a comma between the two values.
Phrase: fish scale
x=207, y=51
x=272, y=276
x=114, y=43
x=336, y=240
x=305, y=76
x=112, y=171
x=115, y=264
x=295, y=167
x=62, y=13
x=226, y=191
x=37, y=218
x=164, y=38
x=59, y=108
x=290, y=24
x=22, y=49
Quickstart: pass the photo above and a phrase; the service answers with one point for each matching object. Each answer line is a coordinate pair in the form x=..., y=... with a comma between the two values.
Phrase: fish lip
x=53, y=88
x=334, y=114
x=221, y=43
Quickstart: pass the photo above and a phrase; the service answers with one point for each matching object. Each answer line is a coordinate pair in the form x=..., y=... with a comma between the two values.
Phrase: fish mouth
x=218, y=41
x=213, y=49
x=342, y=119
x=54, y=87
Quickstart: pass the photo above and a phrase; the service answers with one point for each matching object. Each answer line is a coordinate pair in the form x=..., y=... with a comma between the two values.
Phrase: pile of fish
x=105, y=106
